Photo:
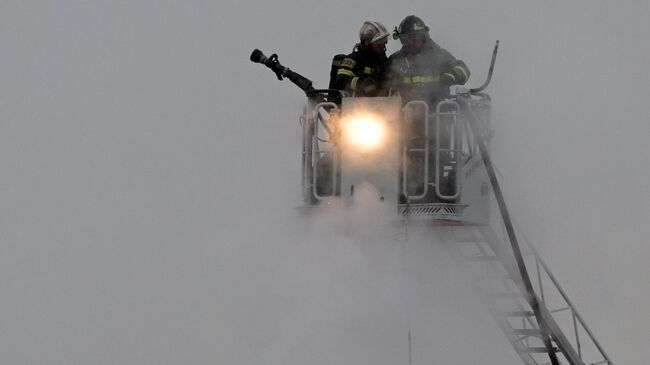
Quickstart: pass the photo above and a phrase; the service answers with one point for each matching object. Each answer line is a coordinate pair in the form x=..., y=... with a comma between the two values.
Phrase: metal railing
x=448, y=132
x=317, y=154
x=447, y=148
x=553, y=289
x=407, y=152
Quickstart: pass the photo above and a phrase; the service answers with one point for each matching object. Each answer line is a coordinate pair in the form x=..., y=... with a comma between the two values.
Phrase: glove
x=367, y=86
x=446, y=80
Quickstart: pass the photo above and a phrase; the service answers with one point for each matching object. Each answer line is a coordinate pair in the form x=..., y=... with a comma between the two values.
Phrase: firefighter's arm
x=454, y=71
x=345, y=74
x=348, y=79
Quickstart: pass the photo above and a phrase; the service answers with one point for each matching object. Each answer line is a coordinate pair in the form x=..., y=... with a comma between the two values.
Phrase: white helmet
x=373, y=32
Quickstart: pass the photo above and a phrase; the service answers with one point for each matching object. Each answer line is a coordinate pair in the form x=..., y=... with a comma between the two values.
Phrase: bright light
x=364, y=131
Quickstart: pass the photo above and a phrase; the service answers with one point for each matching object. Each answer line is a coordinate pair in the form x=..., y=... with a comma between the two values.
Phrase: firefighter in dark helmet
x=363, y=72
x=421, y=69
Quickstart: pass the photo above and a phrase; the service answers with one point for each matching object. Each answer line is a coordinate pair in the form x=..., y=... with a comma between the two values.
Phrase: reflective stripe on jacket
x=417, y=76
x=359, y=66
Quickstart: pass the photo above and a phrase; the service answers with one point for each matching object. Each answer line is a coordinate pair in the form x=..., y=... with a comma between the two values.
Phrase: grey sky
x=150, y=175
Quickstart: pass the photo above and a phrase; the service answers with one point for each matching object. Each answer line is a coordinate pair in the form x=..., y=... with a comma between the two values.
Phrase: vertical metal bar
x=575, y=329
x=405, y=171
x=524, y=325
x=454, y=127
x=316, y=153
x=335, y=166
x=308, y=167
x=425, y=176
x=305, y=179
x=539, y=280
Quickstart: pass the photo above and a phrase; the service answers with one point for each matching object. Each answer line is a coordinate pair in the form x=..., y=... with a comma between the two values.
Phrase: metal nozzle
x=258, y=57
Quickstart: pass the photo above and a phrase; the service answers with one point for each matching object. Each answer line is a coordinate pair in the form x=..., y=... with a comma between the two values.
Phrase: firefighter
x=363, y=72
x=421, y=69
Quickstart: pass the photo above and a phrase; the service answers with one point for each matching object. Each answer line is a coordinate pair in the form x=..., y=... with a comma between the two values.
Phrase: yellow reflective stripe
x=345, y=72
x=462, y=69
x=450, y=75
x=348, y=62
x=425, y=79
x=353, y=84
x=367, y=70
x=420, y=79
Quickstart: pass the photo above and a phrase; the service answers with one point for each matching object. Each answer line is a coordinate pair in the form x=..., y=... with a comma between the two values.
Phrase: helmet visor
x=380, y=39
x=412, y=38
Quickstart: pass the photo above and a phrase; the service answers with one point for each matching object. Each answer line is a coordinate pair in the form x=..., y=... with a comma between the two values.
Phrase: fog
x=151, y=178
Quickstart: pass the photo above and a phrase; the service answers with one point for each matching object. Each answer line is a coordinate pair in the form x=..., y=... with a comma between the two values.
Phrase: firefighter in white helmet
x=363, y=72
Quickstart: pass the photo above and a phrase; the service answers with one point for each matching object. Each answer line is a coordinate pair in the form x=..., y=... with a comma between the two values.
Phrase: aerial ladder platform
x=432, y=162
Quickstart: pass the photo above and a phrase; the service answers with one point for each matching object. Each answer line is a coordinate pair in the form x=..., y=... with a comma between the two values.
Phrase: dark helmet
x=409, y=26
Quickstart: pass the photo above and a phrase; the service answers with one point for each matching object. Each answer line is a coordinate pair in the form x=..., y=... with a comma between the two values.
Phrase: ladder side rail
x=513, y=238
x=503, y=324
x=496, y=244
x=539, y=280
x=405, y=160
x=575, y=329
x=500, y=254
x=566, y=299
x=555, y=330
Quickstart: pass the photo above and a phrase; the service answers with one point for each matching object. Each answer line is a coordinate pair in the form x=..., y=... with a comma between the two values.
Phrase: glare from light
x=364, y=131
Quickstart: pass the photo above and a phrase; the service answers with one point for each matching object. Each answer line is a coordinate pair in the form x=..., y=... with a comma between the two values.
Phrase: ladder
x=537, y=317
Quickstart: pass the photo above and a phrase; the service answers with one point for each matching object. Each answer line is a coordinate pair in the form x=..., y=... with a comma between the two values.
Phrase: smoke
x=151, y=179
x=350, y=282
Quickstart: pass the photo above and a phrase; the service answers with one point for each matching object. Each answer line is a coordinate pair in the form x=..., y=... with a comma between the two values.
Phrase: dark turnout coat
x=425, y=75
x=362, y=73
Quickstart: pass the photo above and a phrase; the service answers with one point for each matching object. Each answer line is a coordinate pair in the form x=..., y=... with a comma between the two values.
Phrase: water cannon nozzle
x=258, y=56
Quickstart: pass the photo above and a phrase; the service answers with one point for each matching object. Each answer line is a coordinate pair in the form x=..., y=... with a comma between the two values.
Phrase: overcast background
x=149, y=174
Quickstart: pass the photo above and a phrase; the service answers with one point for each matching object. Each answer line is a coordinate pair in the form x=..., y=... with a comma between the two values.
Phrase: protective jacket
x=363, y=73
x=427, y=74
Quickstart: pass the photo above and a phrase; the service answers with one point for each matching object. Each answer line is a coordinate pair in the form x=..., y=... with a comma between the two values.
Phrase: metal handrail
x=425, y=150
x=574, y=311
x=316, y=152
x=457, y=150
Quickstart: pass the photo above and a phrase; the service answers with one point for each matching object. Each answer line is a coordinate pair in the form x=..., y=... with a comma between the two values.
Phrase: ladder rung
x=559, y=310
x=527, y=332
x=503, y=277
x=539, y=350
x=482, y=258
x=475, y=240
x=513, y=295
x=520, y=314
